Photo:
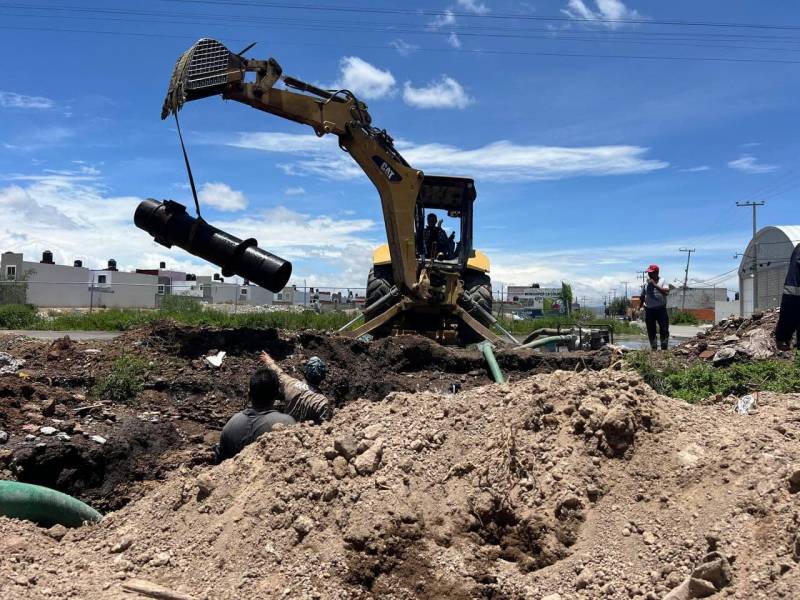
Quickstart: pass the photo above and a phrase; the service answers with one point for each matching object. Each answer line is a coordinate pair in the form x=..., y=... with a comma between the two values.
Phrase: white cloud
x=749, y=164
x=72, y=215
x=36, y=139
x=497, y=161
x=454, y=40
x=13, y=100
x=579, y=265
x=403, y=47
x=294, y=191
x=222, y=197
x=473, y=6
x=363, y=79
x=445, y=93
x=507, y=161
x=607, y=12
x=697, y=169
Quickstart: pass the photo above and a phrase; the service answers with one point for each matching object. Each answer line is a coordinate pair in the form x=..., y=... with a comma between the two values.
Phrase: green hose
x=43, y=506
x=491, y=361
x=547, y=340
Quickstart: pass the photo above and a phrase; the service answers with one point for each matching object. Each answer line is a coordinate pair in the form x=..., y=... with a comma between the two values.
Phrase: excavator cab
x=450, y=264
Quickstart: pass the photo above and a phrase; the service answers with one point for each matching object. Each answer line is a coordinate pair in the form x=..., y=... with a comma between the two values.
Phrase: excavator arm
x=208, y=68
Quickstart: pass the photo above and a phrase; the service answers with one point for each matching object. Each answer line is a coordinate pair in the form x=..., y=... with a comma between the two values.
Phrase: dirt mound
x=736, y=338
x=185, y=401
x=569, y=485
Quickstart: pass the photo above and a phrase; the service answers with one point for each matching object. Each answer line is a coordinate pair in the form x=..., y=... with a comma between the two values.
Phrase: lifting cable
x=188, y=166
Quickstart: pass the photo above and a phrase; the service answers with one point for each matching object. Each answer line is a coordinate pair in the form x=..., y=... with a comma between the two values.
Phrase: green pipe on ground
x=44, y=506
x=491, y=361
x=542, y=331
x=547, y=340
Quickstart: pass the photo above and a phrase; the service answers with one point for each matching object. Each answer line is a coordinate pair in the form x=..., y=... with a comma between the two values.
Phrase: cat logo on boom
x=390, y=173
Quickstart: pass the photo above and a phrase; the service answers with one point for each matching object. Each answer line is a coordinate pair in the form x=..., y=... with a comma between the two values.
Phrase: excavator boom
x=208, y=68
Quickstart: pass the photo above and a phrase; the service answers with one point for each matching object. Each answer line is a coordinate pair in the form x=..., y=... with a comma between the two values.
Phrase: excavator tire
x=379, y=282
x=478, y=286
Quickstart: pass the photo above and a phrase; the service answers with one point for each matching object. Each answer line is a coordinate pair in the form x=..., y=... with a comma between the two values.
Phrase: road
x=680, y=331
x=53, y=335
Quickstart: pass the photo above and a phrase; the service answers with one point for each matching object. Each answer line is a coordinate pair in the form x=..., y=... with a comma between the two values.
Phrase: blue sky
x=592, y=158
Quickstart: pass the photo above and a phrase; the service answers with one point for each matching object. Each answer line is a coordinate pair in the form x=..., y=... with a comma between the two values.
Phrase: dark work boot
x=653, y=345
x=664, y=343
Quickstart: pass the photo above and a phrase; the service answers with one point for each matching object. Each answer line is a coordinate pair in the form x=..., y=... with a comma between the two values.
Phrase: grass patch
x=17, y=316
x=683, y=318
x=187, y=311
x=125, y=380
x=702, y=380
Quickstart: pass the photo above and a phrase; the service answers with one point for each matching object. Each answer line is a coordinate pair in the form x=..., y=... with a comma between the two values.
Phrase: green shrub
x=702, y=380
x=683, y=318
x=18, y=316
x=180, y=304
x=124, y=381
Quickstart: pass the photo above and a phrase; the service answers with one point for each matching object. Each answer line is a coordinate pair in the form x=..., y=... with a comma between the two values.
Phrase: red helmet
x=652, y=268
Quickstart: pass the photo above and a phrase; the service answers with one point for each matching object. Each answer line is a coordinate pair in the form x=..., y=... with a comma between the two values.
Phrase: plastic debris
x=215, y=360
x=745, y=404
x=9, y=364
x=47, y=430
x=98, y=438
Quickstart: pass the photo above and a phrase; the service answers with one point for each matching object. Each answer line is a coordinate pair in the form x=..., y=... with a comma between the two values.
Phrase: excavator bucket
x=205, y=69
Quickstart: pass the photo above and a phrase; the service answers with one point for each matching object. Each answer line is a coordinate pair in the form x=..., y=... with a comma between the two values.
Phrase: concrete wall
x=723, y=310
x=57, y=286
x=117, y=289
x=696, y=298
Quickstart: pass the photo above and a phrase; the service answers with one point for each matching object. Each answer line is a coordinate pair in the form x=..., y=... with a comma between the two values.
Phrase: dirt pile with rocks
x=736, y=338
x=55, y=431
x=567, y=485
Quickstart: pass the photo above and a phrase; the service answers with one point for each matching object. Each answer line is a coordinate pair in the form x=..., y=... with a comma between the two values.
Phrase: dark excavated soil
x=176, y=418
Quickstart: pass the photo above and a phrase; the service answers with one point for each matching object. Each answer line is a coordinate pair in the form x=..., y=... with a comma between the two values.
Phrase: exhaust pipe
x=169, y=224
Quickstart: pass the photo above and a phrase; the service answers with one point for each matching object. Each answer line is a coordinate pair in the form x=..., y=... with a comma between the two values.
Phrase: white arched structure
x=773, y=246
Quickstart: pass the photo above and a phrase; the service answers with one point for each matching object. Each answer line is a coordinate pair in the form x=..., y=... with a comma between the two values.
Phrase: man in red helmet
x=654, y=300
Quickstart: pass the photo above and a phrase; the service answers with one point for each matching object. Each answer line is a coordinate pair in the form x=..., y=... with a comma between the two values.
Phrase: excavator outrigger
x=445, y=296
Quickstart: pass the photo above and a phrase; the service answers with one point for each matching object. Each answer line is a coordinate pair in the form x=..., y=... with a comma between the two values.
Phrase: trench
x=183, y=404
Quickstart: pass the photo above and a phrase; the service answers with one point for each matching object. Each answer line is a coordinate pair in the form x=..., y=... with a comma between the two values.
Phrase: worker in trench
x=654, y=299
x=789, y=318
x=270, y=386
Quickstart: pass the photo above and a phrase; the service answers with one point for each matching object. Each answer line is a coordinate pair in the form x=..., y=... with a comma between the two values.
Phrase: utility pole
x=686, y=274
x=625, y=283
x=754, y=205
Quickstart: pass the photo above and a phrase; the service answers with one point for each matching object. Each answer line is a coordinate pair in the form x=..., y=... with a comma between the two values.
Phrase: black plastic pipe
x=170, y=225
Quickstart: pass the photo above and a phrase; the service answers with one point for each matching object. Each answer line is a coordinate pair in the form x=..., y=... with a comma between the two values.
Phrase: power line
x=492, y=15
x=372, y=27
x=244, y=19
x=423, y=49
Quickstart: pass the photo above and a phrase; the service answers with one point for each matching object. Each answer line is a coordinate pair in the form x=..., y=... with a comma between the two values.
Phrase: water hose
x=548, y=340
x=44, y=506
x=542, y=331
x=491, y=361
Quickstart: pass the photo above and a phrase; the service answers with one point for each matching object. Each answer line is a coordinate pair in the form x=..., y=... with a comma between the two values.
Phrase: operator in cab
x=435, y=239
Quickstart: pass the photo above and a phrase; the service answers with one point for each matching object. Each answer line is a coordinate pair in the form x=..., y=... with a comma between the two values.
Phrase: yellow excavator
x=421, y=280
